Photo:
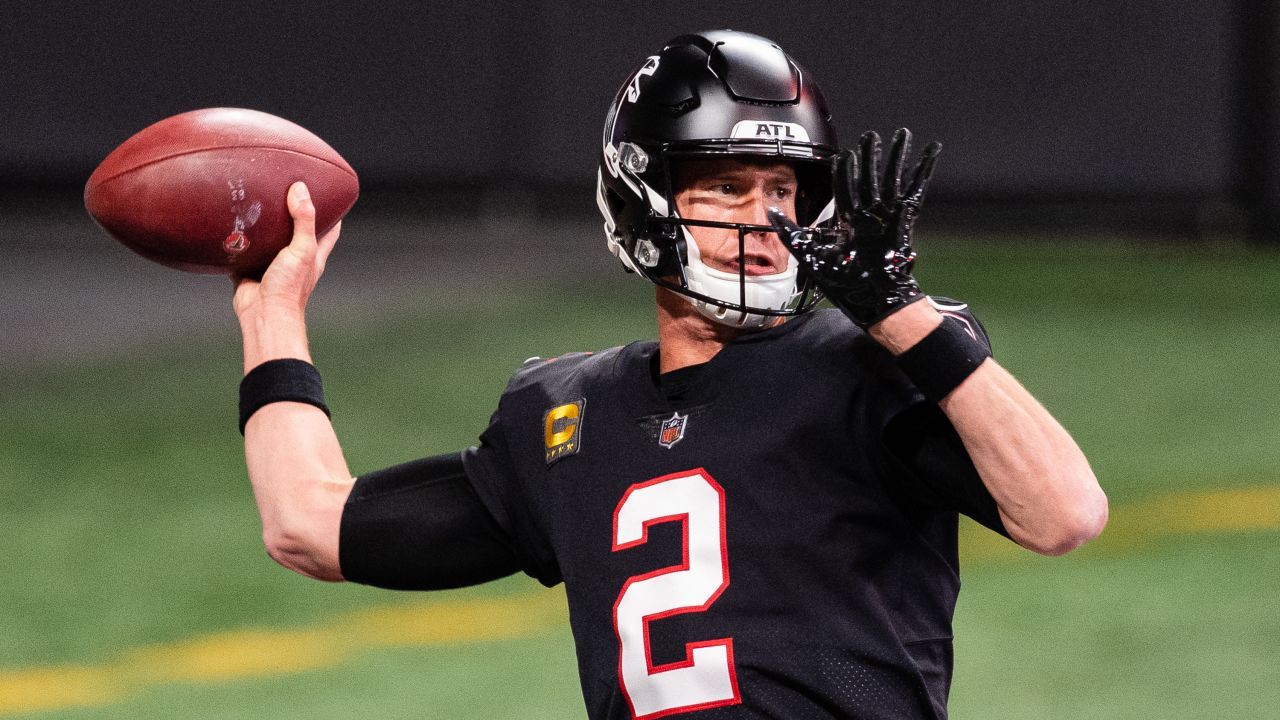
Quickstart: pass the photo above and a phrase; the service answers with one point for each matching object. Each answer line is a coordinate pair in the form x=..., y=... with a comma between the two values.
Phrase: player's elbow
x=1075, y=524
x=301, y=554
x=304, y=539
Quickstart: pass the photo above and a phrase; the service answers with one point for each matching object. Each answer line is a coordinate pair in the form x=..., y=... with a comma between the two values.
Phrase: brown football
x=204, y=191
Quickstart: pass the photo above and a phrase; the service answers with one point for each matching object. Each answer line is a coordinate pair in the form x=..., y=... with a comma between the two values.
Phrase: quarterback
x=755, y=515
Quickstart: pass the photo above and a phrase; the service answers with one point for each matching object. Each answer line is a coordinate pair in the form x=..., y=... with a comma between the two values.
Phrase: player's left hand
x=864, y=265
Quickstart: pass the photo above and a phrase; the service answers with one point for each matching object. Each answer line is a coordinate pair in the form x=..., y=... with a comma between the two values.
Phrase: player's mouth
x=755, y=265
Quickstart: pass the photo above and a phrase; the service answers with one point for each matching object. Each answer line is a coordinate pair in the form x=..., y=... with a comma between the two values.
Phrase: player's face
x=736, y=191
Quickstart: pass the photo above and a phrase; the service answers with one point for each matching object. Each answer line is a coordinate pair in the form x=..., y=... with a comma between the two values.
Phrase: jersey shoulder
x=827, y=329
x=571, y=370
x=823, y=343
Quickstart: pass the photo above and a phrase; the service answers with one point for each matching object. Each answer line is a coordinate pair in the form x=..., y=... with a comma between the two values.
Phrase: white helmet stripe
x=827, y=213
x=656, y=200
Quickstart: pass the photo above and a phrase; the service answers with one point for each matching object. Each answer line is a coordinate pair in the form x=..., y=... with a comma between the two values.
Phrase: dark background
x=1141, y=115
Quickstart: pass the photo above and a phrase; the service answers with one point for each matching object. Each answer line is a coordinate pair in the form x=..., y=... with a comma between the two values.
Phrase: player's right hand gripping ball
x=864, y=263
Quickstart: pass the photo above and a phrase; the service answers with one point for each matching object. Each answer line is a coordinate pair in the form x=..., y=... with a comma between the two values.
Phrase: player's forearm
x=1047, y=494
x=300, y=482
x=273, y=335
x=299, y=475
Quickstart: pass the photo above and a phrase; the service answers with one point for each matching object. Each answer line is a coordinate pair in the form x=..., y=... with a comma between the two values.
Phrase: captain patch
x=562, y=430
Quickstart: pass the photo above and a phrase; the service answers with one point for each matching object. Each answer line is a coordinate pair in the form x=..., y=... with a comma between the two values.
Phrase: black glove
x=864, y=263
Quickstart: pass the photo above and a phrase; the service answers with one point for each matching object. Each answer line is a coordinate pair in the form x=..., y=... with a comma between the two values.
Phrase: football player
x=755, y=515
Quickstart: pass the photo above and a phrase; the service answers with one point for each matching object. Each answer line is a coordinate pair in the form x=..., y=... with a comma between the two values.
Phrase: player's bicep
x=421, y=526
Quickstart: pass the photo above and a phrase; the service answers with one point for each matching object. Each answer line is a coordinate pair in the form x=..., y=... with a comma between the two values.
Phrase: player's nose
x=760, y=204
x=759, y=211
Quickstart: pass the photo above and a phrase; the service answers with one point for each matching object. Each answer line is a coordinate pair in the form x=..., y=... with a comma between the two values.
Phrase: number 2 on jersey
x=706, y=677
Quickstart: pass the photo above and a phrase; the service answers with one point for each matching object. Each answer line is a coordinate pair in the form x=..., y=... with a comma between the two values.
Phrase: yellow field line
x=242, y=654
x=1149, y=521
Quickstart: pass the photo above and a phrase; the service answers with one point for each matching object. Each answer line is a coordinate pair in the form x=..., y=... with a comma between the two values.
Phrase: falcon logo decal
x=672, y=430
x=562, y=430
x=633, y=87
x=953, y=311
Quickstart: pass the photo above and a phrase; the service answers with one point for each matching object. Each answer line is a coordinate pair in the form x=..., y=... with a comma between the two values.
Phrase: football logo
x=672, y=430
x=562, y=430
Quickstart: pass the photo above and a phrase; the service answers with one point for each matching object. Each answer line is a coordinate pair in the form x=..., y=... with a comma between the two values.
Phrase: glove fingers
x=796, y=239
x=832, y=259
x=869, y=182
x=825, y=254
x=924, y=171
x=844, y=188
x=898, y=152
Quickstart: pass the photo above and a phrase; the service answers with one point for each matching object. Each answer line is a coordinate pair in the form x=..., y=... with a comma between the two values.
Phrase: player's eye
x=726, y=188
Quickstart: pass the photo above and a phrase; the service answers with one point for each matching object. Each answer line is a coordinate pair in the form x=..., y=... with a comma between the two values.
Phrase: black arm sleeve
x=421, y=526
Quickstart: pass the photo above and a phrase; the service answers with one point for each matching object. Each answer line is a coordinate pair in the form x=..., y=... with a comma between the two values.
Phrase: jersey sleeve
x=443, y=522
x=933, y=468
x=493, y=474
x=421, y=526
x=924, y=454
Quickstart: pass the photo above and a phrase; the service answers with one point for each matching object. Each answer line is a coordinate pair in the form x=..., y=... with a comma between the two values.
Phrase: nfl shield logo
x=672, y=430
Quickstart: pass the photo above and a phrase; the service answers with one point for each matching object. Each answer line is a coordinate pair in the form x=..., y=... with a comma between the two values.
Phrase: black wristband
x=287, y=380
x=943, y=359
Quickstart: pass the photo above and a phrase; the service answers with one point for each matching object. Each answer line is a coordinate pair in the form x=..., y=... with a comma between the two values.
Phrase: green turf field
x=136, y=585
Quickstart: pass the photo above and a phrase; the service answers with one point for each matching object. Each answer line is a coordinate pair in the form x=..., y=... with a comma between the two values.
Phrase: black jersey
x=758, y=547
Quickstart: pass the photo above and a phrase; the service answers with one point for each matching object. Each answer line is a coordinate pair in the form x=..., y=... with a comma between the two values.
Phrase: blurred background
x=1107, y=200
x=1144, y=115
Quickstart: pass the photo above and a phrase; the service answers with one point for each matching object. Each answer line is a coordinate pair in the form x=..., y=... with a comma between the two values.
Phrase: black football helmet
x=713, y=94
